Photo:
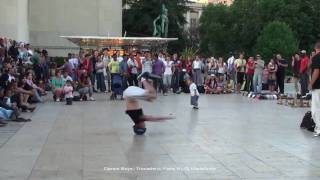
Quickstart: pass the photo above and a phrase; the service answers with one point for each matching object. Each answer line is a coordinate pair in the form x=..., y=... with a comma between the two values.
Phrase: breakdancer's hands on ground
x=132, y=94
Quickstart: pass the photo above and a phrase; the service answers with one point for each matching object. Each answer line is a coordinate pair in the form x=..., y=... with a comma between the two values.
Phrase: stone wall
x=14, y=19
x=42, y=21
x=49, y=19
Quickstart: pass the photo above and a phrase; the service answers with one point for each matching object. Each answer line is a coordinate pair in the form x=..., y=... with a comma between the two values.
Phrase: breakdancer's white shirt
x=134, y=92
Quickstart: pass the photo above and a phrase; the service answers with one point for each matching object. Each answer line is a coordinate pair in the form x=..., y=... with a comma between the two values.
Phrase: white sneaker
x=92, y=99
x=316, y=134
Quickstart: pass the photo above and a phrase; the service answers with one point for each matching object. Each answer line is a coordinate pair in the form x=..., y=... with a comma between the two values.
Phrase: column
x=22, y=20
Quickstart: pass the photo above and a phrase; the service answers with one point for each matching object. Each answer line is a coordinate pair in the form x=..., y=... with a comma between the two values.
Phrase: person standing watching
x=124, y=71
x=94, y=60
x=196, y=71
x=133, y=71
x=147, y=64
x=315, y=86
x=114, y=67
x=281, y=73
x=139, y=62
x=106, y=61
x=295, y=63
x=304, y=75
x=250, y=73
x=177, y=67
x=99, y=75
x=167, y=77
x=240, y=66
x=87, y=65
x=231, y=69
x=158, y=68
x=258, y=74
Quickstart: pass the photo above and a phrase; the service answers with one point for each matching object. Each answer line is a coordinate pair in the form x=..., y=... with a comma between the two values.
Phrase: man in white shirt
x=74, y=61
x=197, y=66
x=133, y=71
x=119, y=57
x=162, y=57
x=167, y=75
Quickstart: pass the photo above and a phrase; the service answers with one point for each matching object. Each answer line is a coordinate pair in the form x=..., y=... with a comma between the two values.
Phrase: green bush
x=277, y=38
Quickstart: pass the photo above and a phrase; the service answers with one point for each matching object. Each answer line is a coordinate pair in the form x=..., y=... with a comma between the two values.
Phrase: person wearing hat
x=132, y=94
x=304, y=75
x=210, y=84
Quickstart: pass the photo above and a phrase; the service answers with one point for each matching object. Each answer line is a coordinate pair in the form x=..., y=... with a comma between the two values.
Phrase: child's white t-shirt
x=193, y=90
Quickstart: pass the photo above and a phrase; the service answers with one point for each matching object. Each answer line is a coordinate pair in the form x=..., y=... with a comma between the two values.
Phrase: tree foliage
x=215, y=33
x=276, y=37
x=243, y=22
x=138, y=19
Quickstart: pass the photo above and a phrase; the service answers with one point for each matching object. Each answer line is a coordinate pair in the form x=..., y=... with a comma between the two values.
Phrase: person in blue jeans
x=124, y=71
x=258, y=74
x=176, y=74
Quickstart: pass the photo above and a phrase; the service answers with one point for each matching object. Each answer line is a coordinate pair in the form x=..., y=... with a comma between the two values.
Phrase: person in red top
x=87, y=64
x=189, y=66
x=304, y=79
x=139, y=62
x=250, y=73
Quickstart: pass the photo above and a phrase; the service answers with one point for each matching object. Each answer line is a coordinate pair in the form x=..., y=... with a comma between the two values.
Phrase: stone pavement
x=230, y=137
x=8, y=131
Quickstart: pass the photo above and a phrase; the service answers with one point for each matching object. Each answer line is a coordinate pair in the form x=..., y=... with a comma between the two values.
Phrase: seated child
x=229, y=85
x=68, y=91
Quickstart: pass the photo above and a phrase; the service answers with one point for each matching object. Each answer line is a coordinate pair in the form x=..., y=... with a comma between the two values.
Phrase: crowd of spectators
x=27, y=75
x=21, y=80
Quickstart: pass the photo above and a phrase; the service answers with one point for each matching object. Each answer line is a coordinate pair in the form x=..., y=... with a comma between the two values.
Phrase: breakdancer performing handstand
x=132, y=94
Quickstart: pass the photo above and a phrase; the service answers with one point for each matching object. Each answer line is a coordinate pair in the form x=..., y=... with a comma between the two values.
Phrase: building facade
x=42, y=22
x=193, y=15
x=226, y=2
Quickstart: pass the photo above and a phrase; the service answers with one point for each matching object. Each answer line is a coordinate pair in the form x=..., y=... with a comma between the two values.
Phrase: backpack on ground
x=307, y=122
x=201, y=89
x=76, y=98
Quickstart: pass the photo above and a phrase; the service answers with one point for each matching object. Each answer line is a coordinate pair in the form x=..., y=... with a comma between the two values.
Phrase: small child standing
x=193, y=92
x=68, y=91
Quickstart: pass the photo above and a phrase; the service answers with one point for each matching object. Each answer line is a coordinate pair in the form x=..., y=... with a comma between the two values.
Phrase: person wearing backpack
x=315, y=86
